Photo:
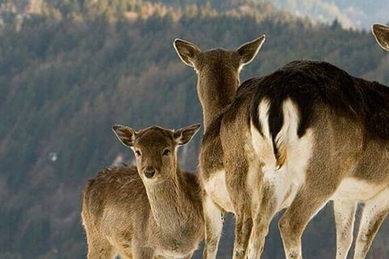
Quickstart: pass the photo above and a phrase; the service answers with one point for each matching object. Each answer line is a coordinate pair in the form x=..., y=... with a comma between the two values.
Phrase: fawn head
x=155, y=149
x=381, y=34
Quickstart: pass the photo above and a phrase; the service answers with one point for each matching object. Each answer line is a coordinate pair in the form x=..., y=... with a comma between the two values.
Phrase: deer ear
x=249, y=50
x=125, y=134
x=184, y=135
x=186, y=50
x=381, y=34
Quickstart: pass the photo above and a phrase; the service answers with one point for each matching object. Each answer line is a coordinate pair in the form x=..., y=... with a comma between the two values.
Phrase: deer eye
x=166, y=152
x=137, y=153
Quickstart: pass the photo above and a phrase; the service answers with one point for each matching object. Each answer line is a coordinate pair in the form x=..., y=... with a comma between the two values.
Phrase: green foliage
x=73, y=69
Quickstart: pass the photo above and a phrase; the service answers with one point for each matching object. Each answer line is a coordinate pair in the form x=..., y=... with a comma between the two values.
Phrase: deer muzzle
x=149, y=172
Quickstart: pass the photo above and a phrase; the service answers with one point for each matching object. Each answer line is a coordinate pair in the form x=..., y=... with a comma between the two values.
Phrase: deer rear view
x=322, y=134
x=149, y=210
x=228, y=171
x=292, y=139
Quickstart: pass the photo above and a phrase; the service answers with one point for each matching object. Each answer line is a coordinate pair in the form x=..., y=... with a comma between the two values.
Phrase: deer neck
x=169, y=204
x=215, y=94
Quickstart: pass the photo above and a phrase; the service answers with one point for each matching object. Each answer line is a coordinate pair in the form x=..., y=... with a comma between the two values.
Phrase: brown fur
x=351, y=142
x=252, y=196
x=218, y=80
x=138, y=214
x=349, y=162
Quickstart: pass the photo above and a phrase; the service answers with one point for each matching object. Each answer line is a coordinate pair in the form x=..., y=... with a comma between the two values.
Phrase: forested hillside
x=70, y=69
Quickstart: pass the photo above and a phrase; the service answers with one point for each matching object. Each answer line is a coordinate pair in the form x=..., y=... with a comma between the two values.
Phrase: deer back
x=114, y=196
x=310, y=113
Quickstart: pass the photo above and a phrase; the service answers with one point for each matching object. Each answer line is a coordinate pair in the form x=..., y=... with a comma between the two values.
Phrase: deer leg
x=213, y=227
x=262, y=218
x=140, y=251
x=126, y=254
x=243, y=222
x=258, y=235
x=344, y=212
x=296, y=217
x=374, y=213
x=243, y=227
x=99, y=248
x=236, y=181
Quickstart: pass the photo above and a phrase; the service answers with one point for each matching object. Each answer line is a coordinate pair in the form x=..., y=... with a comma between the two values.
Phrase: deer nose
x=149, y=172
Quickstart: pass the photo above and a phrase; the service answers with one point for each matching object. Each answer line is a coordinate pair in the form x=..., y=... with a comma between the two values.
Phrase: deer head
x=217, y=72
x=155, y=149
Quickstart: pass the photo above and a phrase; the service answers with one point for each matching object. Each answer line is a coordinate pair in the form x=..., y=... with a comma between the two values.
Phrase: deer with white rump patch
x=297, y=137
x=321, y=135
x=226, y=173
x=149, y=210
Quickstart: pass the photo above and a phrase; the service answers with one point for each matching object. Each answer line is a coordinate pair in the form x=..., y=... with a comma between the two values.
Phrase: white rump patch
x=262, y=143
x=297, y=151
x=288, y=132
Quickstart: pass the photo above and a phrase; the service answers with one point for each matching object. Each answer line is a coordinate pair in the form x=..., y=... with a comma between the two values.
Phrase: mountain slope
x=357, y=14
x=69, y=70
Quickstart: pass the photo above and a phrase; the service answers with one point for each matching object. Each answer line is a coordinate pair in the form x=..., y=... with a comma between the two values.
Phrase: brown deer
x=296, y=138
x=224, y=163
x=146, y=211
x=321, y=134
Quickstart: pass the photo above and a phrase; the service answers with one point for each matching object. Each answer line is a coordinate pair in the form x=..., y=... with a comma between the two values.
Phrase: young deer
x=224, y=163
x=149, y=210
x=298, y=137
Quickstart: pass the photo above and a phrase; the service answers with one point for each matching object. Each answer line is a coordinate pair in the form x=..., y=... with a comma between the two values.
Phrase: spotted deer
x=296, y=138
x=148, y=211
x=226, y=173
